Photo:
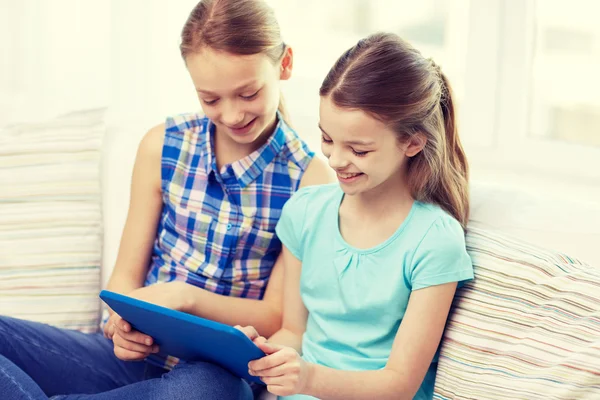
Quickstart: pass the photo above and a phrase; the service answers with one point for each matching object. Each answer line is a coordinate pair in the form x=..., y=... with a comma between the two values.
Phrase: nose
x=337, y=159
x=232, y=115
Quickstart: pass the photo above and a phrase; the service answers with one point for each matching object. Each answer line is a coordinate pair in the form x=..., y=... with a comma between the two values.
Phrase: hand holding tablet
x=187, y=336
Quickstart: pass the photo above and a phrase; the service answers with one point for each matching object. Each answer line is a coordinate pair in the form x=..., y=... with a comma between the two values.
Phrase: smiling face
x=239, y=93
x=362, y=150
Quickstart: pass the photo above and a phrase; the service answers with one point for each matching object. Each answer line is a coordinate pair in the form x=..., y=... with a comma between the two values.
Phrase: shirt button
x=229, y=226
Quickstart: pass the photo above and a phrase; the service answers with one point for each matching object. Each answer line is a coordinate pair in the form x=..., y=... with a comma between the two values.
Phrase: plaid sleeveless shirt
x=217, y=229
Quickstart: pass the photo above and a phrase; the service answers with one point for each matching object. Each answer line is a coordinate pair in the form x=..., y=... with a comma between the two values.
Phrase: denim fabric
x=38, y=361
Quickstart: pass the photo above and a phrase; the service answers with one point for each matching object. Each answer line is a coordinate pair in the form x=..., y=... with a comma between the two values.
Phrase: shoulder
x=441, y=233
x=315, y=169
x=317, y=172
x=441, y=255
x=181, y=123
x=316, y=195
x=183, y=131
x=293, y=150
x=150, y=147
x=147, y=168
x=305, y=208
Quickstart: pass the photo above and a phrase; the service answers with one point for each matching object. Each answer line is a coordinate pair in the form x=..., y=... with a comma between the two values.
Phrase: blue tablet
x=187, y=336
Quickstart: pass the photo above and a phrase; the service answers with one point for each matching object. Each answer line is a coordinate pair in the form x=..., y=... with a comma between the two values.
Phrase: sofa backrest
x=527, y=327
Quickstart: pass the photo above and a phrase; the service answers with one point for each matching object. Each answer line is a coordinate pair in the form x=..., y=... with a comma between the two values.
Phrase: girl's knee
x=204, y=380
x=201, y=370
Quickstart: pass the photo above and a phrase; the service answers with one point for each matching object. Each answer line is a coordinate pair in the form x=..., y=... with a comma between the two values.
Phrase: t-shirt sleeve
x=441, y=257
x=291, y=223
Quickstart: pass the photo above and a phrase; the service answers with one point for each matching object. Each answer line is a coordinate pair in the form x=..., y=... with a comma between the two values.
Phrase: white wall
x=55, y=57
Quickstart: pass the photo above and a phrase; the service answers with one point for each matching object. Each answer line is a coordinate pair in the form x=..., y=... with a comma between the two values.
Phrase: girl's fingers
x=109, y=328
x=135, y=336
x=273, y=380
x=270, y=348
x=123, y=325
x=268, y=362
x=260, y=340
x=277, y=389
x=109, y=332
x=126, y=344
x=280, y=370
x=128, y=355
x=248, y=331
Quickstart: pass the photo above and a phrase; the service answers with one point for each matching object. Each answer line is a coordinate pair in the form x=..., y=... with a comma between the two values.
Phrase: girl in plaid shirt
x=206, y=195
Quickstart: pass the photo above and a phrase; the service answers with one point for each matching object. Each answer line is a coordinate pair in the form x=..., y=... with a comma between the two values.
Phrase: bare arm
x=145, y=206
x=317, y=173
x=286, y=373
x=137, y=239
x=294, y=311
x=264, y=315
x=414, y=347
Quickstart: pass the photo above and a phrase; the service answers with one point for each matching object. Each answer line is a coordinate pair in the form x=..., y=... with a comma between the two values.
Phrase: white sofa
x=562, y=225
x=526, y=328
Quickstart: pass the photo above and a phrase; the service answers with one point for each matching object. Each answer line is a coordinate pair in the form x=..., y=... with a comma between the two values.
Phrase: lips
x=244, y=129
x=241, y=126
x=348, y=176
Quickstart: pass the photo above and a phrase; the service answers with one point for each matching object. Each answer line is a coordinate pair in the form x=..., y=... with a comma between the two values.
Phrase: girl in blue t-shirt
x=372, y=263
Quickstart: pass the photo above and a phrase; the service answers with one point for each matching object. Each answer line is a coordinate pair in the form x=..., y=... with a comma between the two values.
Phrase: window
x=523, y=73
x=320, y=31
x=544, y=120
x=565, y=99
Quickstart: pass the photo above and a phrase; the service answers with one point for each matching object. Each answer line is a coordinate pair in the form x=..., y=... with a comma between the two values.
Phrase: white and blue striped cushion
x=50, y=220
x=527, y=327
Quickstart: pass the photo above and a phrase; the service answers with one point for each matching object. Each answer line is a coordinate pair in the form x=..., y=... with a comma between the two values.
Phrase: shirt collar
x=249, y=168
x=210, y=160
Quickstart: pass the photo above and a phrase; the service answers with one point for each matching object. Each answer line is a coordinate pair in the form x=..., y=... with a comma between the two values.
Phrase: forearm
x=263, y=315
x=122, y=282
x=331, y=384
x=288, y=338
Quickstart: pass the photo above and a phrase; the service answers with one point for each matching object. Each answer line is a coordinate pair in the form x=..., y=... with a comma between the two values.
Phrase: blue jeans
x=38, y=361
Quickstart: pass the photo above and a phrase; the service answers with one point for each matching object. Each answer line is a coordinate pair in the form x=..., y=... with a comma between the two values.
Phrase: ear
x=287, y=63
x=415, y=144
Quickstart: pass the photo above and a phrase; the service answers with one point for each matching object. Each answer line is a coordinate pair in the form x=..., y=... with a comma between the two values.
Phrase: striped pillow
x=50, y=220
x=527, y=327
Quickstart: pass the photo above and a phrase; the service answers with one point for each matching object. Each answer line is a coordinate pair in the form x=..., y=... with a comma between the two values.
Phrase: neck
x=228, y=150
x=383, y=201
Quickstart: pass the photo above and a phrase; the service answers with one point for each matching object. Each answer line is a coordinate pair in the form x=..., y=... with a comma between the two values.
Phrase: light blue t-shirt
x=356, y=298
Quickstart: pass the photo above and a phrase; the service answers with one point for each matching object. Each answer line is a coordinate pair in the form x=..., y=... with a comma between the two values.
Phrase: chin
x=350, y=190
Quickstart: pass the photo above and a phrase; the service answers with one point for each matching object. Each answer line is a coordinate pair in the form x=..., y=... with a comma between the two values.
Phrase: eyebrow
x=239, y=89
x=351, y=142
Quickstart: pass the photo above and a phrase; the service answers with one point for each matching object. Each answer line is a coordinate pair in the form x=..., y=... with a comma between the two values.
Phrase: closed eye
x=209, y=102
x=360, y=153
x=325, y=140
x=251, y=96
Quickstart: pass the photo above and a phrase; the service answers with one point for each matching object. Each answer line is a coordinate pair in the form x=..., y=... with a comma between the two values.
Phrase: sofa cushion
x=50, y=220
x=564, y=223
x=527, y=327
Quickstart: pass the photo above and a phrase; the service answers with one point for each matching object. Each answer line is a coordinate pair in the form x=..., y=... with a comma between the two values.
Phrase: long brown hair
x=390, y=80
x=241, y=27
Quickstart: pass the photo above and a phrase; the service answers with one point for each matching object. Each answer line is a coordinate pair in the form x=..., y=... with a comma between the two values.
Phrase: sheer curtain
x=55, y=57
x=64, y=55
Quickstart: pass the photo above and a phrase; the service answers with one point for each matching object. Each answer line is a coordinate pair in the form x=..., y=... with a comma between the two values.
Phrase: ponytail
x=453, y=192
